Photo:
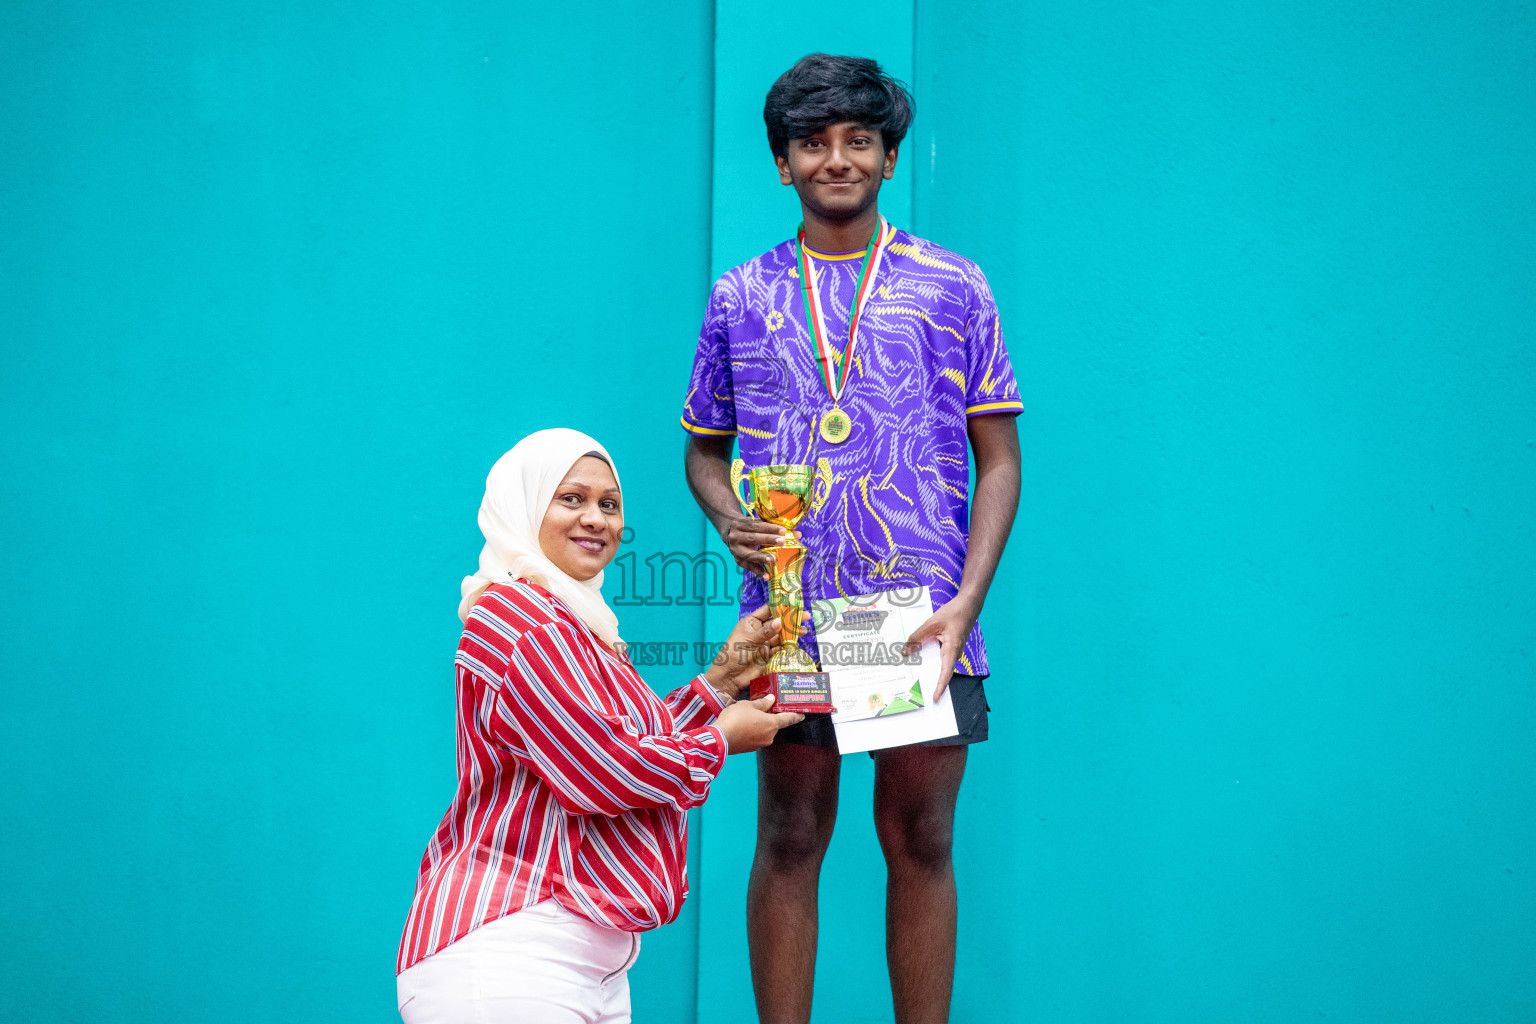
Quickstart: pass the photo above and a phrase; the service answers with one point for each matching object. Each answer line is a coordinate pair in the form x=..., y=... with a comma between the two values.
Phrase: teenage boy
x=881, y=352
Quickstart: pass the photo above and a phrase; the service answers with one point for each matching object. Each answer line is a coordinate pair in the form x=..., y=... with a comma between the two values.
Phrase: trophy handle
x=821, y=489
x=738, y=474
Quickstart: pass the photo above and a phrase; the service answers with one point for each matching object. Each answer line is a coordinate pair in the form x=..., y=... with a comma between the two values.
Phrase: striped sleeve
x=594, y=760
x=694, y=705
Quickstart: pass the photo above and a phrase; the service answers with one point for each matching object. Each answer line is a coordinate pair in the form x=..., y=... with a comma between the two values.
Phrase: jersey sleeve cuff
x=694, y=428
x=983, y=408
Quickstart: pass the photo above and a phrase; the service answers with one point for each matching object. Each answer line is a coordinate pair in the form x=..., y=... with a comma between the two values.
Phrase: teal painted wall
x=280, y=281
x=1264, y=749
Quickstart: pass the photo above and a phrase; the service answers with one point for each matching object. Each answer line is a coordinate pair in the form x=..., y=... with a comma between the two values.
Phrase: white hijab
x=518, y=490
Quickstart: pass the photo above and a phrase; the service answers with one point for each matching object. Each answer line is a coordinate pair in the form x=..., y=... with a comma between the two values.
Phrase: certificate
x=884, y=696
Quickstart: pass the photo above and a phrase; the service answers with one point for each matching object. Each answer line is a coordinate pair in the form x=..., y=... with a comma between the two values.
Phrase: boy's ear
x=783, y=165
x=890, y=163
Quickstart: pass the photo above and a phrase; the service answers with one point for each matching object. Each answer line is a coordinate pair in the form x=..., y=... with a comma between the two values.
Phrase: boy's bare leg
x=915, y=792
x=796, y=807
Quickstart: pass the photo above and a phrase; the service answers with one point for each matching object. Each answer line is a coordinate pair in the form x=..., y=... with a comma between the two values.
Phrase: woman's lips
x=588, y=544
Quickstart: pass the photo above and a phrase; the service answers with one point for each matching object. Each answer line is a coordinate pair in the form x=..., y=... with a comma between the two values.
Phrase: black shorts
x=967, y=692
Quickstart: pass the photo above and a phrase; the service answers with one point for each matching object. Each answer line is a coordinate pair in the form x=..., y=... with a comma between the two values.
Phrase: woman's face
x=581, y=527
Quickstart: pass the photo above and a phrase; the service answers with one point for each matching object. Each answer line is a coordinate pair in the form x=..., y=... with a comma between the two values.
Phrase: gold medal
x=836, y=425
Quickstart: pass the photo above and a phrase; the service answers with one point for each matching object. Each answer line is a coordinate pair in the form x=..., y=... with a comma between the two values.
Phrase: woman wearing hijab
x=568, y=833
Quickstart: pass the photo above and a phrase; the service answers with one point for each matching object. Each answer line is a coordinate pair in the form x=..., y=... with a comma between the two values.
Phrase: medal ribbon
x=834, y=380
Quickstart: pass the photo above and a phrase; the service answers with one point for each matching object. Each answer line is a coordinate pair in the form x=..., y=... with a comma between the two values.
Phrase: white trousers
x=540, y=965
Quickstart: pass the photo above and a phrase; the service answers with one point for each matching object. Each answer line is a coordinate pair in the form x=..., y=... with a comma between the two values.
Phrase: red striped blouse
x=574, y=779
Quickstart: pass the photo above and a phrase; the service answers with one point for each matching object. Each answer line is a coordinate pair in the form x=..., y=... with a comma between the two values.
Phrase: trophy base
x=808, y=692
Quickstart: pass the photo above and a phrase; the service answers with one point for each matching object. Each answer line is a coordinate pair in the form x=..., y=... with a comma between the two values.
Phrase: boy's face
x=837, y=172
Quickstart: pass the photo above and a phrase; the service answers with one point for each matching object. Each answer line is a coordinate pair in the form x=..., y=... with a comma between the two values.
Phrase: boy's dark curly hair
x=822, y=90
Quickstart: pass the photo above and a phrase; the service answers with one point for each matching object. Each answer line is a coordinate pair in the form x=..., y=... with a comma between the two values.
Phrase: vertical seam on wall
x=709, y=262
x=912, y=164
x=704, y=524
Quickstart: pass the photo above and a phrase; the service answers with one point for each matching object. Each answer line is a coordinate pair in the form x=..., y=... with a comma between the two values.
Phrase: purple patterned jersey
x=929, y=355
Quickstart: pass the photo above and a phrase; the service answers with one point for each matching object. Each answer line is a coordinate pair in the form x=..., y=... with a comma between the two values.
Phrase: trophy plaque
x=784, y=495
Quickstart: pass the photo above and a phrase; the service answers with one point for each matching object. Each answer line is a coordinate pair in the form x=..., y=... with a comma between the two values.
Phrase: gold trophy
x=783, y=495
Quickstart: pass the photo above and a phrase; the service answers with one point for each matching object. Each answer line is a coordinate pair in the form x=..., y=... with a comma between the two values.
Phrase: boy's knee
x=920, y=839
x=794, y=833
